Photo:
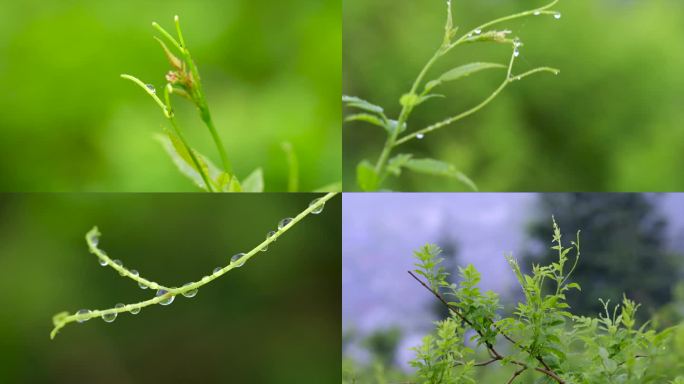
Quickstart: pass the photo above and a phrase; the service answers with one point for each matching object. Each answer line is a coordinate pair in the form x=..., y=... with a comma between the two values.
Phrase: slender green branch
x=150, y=91
x=92, y=238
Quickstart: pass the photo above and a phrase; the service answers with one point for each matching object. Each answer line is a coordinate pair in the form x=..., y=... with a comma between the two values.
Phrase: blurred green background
x=611, y=121
x=275, y=320
x=271, y=72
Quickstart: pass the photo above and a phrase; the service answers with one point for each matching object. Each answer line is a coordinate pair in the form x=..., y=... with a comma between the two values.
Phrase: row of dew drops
x=235, y=259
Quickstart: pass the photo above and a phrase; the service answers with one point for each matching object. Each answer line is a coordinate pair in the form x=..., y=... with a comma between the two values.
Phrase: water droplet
x=557, y=15
x=264, y=248
x=537, y=13
x=151, y=88
x=236, y=258
x=319, y=209
x=83, y=312
x=134, y=311
x=142, y=286
x=478, y=31
x=118, y=262
x=109, y=317
x=516, y=53
x=190, y=293
x=167, y=300
x=95, y=239
x=134, y=272
x=469, y=35
x=284, y=222
x=420, y=136
x=103, y=262
x=217, y=270
x=271, y=234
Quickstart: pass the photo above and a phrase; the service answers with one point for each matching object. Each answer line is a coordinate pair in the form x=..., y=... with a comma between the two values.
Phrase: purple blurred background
x=381, y=231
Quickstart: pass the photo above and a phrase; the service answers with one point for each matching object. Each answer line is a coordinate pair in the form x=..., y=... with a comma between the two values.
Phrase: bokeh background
x=630, y=243
x=611, y=121
x=271, y=71
x=275, y=320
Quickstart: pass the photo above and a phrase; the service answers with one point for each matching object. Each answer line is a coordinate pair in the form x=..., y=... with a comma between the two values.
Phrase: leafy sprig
x=544, y=335
x=164, y=293
x=371, y=177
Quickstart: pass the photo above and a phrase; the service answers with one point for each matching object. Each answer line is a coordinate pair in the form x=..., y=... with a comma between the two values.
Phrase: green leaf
x=234, y=185
x=254, y=182
x=461, y=72
x=355, y=102
x=438, y=168
x=332, y=187
x=366, y=176
x=181, y=157
x=394, y=164
x=368, y=118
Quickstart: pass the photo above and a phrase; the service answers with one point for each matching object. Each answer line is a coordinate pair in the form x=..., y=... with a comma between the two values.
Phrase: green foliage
x=542, y=336
x=184, y=80
x=371, y=177
x=624, y=234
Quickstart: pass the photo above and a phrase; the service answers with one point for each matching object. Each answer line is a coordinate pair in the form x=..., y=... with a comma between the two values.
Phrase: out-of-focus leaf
x=355, y=102
x=460, y=72
x=254, y=182
x=439, y=168
x=366, y=176
x=368, y=118
x=181, y=157
x=398, y=161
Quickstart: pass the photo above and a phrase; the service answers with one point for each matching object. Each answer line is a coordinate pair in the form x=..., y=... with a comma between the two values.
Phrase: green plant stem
x=62, y=319
x=392, y=138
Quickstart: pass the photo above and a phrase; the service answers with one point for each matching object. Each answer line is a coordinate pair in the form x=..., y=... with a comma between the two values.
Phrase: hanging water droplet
x=167, y=300
x=190, y=293
x=469, y=35
x=537, y=13
x=217, y=270
x=103, y=262
x=134, y=311
x=419, y=136
x=142, y=286
x=516, y=53
x=236, y=259
x=478, y=31
x=284, y=222
x=151, y=88
x=557, y=15
x=264, y=248
x=318, y=209
x=134, y=272
x=118, y=262
x=83, y=312
x=271, y=234
x=109, y=317
x=95, y=240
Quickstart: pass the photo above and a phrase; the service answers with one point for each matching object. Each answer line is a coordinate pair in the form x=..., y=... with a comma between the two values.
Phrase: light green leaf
x=368, y=118
x=439, y=168
x=355, y=102
x=366, y=176
x=332, y=187
x=234, y=185
x=254, y=182
x=181, y=157
x=460, y=72
x=394, y=164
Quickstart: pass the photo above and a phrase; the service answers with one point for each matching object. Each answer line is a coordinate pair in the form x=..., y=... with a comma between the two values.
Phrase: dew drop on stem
x=217, y=270
x=557, y=15
x=190, y=293
x=109, y=317
x=420, y=136
x=318, y=209
x=142, y=286
x=83, y=312
x=151, y=88
x=134, y=311
x=167, y=300
x=270, y=234
x=284, y=222
x=236, y=258
x=103, y=262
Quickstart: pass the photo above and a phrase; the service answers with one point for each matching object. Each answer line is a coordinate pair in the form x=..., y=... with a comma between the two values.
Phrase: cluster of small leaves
x=370, y=177
x=183, y=80
x=541, y=335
